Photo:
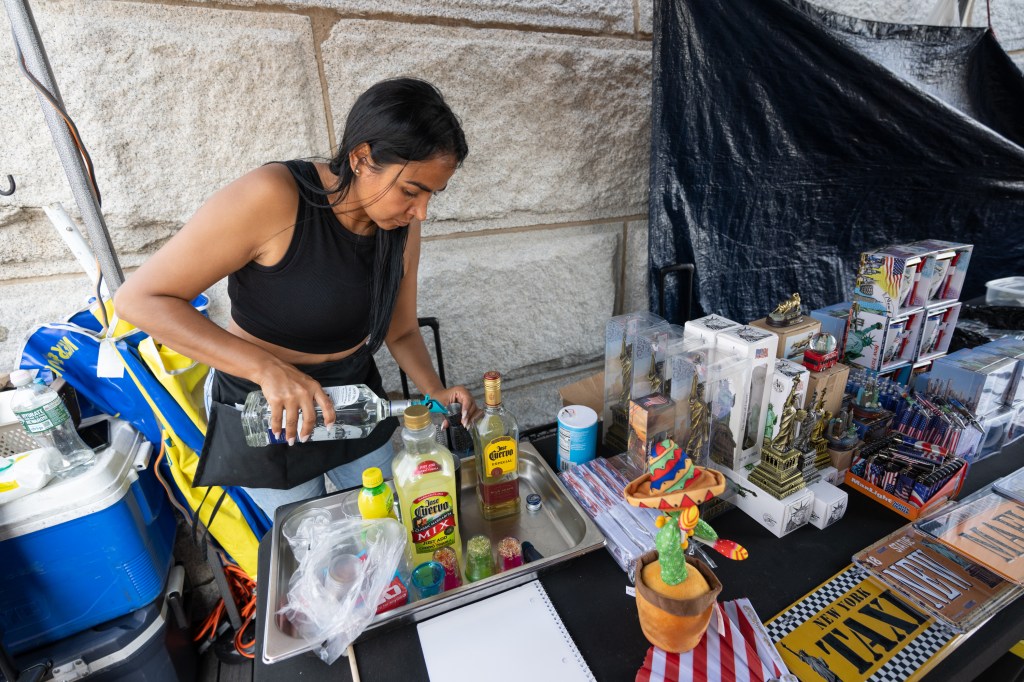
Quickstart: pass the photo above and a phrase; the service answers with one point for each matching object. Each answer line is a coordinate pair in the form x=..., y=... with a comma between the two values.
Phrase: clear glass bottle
x=496, y=445
x=424, y=477
x=357, y=411
x=45, y=417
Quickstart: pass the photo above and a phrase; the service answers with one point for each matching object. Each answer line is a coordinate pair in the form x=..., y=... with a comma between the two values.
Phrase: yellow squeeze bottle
x=375, y=500
x=424, y=477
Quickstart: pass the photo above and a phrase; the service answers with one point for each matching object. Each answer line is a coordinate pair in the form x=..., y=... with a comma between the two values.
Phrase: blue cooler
x=83, y=551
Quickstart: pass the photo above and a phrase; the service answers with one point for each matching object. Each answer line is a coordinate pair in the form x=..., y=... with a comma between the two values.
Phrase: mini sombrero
x=672, y=481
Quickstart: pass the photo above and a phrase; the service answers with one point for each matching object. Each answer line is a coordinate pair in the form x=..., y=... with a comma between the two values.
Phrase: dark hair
x=402, y=120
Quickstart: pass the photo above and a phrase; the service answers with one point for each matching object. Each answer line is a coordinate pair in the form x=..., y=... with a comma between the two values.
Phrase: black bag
x=226, y=459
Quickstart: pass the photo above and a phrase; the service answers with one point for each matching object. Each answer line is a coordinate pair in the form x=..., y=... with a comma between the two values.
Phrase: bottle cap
x=21, y=377
x=492, y=388
x=417, y=417
x=533, y=502
x=372, y=477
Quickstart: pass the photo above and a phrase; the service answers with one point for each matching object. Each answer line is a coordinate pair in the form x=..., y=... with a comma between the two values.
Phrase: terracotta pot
x=674, y=625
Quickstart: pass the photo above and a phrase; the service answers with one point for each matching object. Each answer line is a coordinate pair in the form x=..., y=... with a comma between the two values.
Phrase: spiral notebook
x=513, y=636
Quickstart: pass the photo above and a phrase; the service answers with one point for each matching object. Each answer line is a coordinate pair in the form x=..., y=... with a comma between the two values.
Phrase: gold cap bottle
x=492, y=389
x=417, y=417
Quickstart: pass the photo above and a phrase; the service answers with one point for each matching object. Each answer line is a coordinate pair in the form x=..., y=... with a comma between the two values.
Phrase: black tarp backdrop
x=787, y=139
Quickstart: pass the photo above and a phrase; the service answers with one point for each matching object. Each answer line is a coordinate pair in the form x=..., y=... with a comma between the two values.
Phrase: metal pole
x=26, y=34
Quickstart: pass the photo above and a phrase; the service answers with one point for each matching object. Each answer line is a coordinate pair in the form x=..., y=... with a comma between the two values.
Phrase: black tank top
x=316, y=299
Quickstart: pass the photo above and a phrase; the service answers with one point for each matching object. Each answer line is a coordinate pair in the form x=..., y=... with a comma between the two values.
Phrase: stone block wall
x=541, y=236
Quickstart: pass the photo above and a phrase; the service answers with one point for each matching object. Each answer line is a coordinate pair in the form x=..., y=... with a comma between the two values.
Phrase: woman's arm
x=246, y=221
x=406, y=343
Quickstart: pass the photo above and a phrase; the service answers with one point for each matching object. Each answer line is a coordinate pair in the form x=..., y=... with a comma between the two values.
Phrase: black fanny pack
x=226, y=459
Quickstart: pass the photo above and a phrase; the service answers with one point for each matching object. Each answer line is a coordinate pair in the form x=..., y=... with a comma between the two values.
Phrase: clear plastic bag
x=333, y=594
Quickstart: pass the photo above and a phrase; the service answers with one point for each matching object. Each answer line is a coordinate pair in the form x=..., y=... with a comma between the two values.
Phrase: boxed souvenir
x=834, y=320
x=781, y=517
x=950, y=269
x=688, y=388
x=829, y=504
x=977, y=379
x=728, y=380
x=939, y=323
x=897, y=278
x=881, y=341
x=619, y=336
x=707, y=328
x=652, y=419
x=996, y=431
x=653, y=350
x=794, y=339
x=759, y=348
x=959, y=592
x=786, y=376
x=1010, y=347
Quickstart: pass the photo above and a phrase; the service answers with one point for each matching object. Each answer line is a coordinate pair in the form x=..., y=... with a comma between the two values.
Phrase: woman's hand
x=290, y=392
x=461, y=395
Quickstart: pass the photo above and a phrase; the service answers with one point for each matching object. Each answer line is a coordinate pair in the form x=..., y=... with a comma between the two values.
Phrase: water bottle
x=45, y=417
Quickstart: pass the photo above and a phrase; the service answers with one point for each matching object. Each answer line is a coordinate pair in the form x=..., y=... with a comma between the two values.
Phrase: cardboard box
x=793, y=340
x=587, y=391
x=880, y=341
x=842, y=459
x=896, y=278
x=832, y=380
x=937, y=332
x=977, y=379
x=830, y=475
x=1009, y=347
x=707, y=328
x=829, y=504
x=781, y=517
x=949, y=270
x=834, y=320
x=759, y=348
x=785, y=376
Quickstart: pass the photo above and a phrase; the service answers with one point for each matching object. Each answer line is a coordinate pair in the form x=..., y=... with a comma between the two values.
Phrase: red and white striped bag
x=735, y=648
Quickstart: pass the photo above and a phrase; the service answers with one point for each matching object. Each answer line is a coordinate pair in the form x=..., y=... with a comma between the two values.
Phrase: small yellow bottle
x=375, y=499
x=424, y=476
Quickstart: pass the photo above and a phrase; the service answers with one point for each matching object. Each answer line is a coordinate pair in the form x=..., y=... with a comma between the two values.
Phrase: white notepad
x=510, y=637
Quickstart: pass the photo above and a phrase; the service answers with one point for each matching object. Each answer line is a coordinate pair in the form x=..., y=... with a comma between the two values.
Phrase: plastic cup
x=447, y=557
x=428, y=579
x=342, y=575
x=479, y=563
x=302, y=528
x=510, y=554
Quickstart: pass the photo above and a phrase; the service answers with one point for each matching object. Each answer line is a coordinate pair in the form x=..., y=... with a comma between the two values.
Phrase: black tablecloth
x=590, y=594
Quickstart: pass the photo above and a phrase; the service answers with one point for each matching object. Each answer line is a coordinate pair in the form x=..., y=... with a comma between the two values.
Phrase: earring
x=356, y=171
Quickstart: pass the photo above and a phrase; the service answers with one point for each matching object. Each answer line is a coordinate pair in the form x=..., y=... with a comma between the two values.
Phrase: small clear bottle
x=496, y=442
x=357, y=411
x=45, y=417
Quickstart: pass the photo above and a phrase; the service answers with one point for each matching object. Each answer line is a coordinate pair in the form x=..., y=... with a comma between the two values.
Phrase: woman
x=321, y=261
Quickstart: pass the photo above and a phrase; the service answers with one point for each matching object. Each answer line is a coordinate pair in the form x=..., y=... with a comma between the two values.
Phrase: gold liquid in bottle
x=496, y=446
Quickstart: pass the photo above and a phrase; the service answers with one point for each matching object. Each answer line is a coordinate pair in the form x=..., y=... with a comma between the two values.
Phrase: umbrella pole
x=26, y=36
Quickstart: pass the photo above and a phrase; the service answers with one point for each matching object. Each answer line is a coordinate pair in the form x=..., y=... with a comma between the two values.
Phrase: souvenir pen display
x=906, y=470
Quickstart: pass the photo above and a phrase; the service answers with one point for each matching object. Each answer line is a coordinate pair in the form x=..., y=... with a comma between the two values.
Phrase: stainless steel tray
x=560, y=531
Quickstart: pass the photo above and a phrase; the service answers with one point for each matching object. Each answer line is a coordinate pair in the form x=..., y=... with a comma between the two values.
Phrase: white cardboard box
x=786, y=374
x=778, y=516
x=707, y=328
x=829, y=504
x=759, y=347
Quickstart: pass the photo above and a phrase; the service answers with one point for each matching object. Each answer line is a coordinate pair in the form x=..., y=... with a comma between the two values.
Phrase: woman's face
x=393, y=195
